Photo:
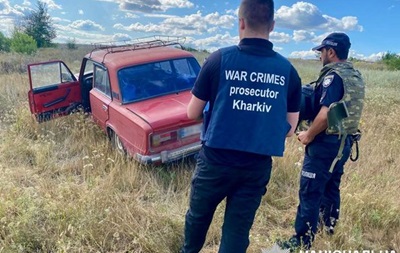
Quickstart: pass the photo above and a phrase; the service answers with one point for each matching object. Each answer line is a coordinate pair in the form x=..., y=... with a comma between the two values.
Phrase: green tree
x=391, y=60
x=4, y=43
x=23, y=43
x=38, y=24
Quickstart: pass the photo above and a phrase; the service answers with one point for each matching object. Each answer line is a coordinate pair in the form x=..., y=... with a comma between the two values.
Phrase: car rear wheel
x=117, y=144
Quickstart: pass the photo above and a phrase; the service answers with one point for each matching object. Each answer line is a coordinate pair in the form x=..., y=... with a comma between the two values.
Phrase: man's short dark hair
x=259, y=14
x=342, y=55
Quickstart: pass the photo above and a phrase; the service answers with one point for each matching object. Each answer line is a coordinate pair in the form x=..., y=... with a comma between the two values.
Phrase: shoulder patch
x=327, y=80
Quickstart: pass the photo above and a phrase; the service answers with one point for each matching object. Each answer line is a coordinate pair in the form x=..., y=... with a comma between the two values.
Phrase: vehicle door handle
x=104, y=107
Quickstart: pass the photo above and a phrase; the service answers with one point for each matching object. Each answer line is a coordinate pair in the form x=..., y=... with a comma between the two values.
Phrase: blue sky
x=373, y=26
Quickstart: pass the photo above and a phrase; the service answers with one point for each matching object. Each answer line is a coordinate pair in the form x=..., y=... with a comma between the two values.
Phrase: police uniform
x=250, y=88
x=338, y=84
x=319, y=188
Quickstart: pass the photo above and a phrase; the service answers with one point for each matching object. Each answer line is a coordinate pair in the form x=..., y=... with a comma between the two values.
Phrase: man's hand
x=319, y=124
x=304, y=137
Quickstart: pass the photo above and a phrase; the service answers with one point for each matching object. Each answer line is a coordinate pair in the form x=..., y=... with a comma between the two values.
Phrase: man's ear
x=332, y=53
x=271, y=28
x=242, y=24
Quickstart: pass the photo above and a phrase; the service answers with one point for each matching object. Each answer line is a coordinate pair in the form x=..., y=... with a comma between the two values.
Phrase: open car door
x=54, y=90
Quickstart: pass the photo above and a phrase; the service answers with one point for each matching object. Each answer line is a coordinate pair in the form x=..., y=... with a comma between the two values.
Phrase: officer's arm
x=195, y=108
x=292, y=118
x=319, y=124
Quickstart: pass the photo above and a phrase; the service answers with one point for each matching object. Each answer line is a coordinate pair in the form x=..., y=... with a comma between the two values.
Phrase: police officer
x=253, y=96
x=326, y=151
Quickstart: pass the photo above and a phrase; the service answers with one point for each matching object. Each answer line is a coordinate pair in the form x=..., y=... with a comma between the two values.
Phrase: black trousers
x=243, y=189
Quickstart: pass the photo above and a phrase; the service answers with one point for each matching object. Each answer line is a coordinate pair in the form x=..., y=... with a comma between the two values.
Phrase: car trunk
x=163, y=112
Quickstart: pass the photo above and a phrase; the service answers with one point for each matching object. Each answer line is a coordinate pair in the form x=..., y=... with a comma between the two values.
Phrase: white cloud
x=80, y=12
x=6, y=26
x=26, y=3
x=177, y=3
x=303, y=15
x=65, y=33
x=346, y=23
x=121, y=37
x=225, y=21
x=152, y=15
x=52, y=5
x=303, y=54
x=312, y=55
x=302, y=35
x=86, y=25
x=212, y=43
x=57, y=20
x=372, y=57
x=150, y=6
x=194, y=24
x=130, y=15
x=7, y=10
x=279, y=37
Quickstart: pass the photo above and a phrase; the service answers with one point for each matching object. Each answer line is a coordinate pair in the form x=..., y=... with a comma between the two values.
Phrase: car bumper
x=170, y=155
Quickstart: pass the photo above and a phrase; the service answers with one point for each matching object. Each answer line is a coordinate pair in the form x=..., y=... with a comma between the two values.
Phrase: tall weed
x=64, y=189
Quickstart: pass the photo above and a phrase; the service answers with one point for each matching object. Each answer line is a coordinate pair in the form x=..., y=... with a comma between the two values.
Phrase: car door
x=54, y=90
x=100, y=95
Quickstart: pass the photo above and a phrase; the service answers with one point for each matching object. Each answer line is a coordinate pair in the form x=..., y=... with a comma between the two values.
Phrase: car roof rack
x=138, y=43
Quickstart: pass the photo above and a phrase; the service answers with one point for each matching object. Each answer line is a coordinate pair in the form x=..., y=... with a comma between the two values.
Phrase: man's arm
x=319, y=124
x=195, y=108
x=293, y=101
x=292, y=118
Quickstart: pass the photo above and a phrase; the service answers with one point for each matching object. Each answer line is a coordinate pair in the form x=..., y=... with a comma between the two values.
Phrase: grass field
x=63, y=189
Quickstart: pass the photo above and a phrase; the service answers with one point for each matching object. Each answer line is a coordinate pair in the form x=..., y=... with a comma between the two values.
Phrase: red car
x=137, y=93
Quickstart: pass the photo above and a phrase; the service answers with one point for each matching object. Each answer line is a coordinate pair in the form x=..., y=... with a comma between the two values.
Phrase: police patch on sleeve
x=327, y=80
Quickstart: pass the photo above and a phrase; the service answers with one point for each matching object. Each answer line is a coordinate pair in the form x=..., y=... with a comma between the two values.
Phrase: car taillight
x=163, y=138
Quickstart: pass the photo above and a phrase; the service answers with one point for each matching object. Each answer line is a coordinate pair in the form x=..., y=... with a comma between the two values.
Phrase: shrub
x=71, y=44
x=392, y=60
x=23, y=43
x=4, y=43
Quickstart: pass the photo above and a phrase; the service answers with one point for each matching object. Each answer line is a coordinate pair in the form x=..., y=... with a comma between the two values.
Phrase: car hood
x=163, y=111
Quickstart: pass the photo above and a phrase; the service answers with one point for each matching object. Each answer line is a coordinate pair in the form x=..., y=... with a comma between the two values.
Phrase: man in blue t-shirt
x=320, y=177
x=253, y=96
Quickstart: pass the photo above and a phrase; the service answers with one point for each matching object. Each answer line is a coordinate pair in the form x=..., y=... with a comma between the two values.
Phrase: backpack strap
x=340, y=152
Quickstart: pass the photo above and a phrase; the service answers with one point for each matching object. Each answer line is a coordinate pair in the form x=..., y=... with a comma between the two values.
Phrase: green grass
x=63, y=188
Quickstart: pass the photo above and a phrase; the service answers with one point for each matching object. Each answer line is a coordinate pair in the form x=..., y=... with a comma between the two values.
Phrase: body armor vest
x=347, y=118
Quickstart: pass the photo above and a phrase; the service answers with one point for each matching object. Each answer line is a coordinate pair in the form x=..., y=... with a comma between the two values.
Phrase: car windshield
x=157, y=78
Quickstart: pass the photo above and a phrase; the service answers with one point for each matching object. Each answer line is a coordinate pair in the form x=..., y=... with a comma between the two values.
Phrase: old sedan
x=137, y=93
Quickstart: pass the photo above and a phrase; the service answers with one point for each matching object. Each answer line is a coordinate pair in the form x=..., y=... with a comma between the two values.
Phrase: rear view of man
x=254, y=100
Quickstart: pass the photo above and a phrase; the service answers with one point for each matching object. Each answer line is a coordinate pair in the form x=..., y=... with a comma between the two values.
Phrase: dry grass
x=63, y=189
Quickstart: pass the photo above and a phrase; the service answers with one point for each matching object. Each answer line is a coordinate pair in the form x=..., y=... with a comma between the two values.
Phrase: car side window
x=101, y=81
